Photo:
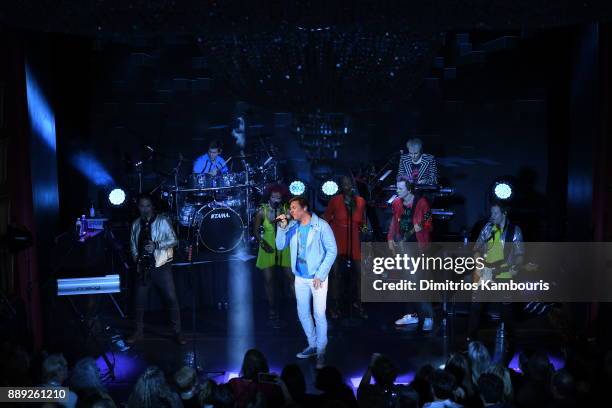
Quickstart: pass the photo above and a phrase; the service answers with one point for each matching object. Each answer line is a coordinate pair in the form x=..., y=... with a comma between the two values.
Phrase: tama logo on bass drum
x=219, y=215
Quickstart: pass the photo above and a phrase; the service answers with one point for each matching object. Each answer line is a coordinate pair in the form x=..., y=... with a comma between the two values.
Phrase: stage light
x=502, y=190
x=329, y=188
x=92, y=169
x=297, y=188
x=116, y=196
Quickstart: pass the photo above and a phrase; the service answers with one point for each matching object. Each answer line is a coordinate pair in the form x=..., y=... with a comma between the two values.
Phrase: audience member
x=187, y=384
x=535, y=390
x=54, y=373
x=255, y=378
x=443, y=386
x=479, y=359
x=293, y=378
x=152, y=391
x=563, y=390
x=86, y=383
x=331, y=384
x=458, y=365
x=422, y=383
x=491, y=390
x=504, y=374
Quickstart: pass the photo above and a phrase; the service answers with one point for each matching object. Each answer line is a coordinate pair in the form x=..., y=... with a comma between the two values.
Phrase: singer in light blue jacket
x=313, y=251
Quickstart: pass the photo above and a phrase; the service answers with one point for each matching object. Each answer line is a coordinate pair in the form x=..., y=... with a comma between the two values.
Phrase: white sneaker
x=407, y=319
x=307, y=352
x=427, y=324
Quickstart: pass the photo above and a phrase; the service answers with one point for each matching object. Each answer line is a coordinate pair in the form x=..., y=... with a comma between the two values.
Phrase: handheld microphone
x=277, y=220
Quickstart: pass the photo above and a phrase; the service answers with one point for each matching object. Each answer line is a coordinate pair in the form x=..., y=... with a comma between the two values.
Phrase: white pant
x=304, y=291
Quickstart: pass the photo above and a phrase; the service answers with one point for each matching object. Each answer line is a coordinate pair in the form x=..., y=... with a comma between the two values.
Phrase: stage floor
x=222, y=336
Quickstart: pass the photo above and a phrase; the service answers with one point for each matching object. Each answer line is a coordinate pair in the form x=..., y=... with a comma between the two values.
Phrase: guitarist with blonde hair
x=411, y=222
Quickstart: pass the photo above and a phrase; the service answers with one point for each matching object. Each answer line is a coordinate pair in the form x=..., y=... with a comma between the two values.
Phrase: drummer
x=211, y=163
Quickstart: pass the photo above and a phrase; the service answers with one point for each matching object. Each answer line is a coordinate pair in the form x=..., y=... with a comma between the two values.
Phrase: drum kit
x=215, y=211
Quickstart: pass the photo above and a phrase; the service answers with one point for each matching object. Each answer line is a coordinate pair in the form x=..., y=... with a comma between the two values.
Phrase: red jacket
x=337, y=216
x=422, y=207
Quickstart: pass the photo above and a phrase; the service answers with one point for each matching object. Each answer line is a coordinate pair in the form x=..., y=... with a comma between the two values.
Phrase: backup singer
x=345, y=214
x=418, y=167
x=501, y=244
x=411, y=222
x=152, y=242
x=211, y=162
x=313, y=251
x=269, y=257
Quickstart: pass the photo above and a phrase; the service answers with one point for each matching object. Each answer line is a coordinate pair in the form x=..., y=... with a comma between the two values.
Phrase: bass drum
x=221, y=228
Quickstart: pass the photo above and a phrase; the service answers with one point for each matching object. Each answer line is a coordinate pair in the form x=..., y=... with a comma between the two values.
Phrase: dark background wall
x=490, y=119
x=501, y=109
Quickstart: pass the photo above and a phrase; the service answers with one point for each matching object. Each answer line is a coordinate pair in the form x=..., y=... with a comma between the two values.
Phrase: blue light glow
x=297, y=188
x=91, y=168
x=240, y=314
x=503, y=191
x=329, y=188
x=117, y=196
x=42, y=119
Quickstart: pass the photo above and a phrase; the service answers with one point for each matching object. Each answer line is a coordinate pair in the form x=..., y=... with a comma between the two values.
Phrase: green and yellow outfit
x=276, y=258
x=495, y=253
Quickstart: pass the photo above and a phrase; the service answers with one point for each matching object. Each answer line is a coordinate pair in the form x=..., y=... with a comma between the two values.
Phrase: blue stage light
x=116, y=196
x=329, y=188
x=297, y=188
x=91, y=168
x=42, y=118
x=502, y=190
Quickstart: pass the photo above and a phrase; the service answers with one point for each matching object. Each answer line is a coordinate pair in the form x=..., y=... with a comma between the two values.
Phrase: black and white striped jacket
x=428, y=173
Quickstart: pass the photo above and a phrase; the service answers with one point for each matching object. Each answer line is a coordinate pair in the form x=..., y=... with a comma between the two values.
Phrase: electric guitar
x=492, y=271
x=426, y=218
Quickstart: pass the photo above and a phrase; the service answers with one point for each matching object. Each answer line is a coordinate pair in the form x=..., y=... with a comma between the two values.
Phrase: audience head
x=54, y=369
x=293, y=378
x=150, y=390
x=504, y=374
x=479, y=359
x=408, y=398
x=86, y=375
x=422, y=383
x=443, y=384
x=491, y=388
x=384, y=372
x=563, y=385
x=207, y=392
x=329, y=379
x=186, y=381
x=539, y=368
x=458, y=365
x=254, y=363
